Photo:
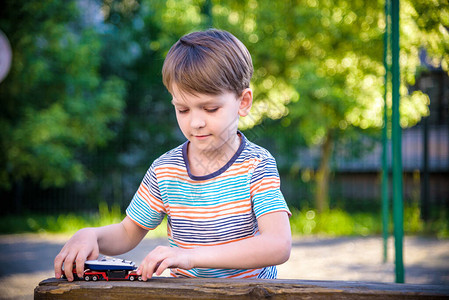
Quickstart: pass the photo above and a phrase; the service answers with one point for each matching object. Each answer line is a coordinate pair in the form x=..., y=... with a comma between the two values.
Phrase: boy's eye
x=211, y=110
x=182, y=111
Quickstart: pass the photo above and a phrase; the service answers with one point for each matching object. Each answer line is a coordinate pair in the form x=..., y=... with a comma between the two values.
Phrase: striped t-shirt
x=215, y=209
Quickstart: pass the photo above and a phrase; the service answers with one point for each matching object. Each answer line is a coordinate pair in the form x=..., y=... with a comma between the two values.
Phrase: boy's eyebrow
x=201, y=103
x=174, y=102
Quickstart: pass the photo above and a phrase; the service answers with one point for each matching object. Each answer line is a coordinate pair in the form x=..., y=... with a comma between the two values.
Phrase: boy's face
x=210, y=122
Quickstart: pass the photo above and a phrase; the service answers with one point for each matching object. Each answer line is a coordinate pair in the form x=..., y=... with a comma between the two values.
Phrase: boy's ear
x=246, y=102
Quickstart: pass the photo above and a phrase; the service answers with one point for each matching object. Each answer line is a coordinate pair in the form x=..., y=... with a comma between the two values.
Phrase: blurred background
x=84, y=112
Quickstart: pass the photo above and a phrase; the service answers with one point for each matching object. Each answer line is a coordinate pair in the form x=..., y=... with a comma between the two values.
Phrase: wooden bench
x=177, y=288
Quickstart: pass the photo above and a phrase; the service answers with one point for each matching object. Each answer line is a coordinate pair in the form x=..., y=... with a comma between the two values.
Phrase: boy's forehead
x=189, y=99
x=182, y=97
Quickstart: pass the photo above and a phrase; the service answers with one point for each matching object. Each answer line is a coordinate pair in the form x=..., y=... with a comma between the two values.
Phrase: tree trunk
x=323, y=174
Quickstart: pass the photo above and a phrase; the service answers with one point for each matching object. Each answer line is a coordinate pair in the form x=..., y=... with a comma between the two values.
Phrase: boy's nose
x=197, y=121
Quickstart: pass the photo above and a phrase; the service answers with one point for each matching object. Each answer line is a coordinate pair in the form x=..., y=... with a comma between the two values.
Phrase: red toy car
x=108, y=268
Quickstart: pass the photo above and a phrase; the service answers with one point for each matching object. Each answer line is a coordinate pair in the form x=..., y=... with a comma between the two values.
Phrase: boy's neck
x=204, y=162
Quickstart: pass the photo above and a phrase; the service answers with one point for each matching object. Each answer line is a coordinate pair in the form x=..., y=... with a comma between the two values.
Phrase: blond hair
x=208, y=62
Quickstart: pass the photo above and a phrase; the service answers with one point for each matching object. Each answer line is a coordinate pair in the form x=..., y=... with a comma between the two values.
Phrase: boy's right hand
x=82, y=246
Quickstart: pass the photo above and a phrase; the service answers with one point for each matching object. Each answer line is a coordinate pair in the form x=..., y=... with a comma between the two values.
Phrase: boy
x=221, y=193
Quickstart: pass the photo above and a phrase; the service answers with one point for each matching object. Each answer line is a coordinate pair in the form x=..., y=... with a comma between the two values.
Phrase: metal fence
x=357, y=180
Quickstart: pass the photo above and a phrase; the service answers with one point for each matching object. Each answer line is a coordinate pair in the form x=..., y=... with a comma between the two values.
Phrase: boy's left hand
x=161, y=258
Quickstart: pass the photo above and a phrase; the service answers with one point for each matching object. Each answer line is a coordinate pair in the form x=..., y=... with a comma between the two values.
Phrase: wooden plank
x=177, y=288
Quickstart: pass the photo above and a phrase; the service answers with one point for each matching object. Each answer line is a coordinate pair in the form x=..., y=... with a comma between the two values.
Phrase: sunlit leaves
x=329, y=55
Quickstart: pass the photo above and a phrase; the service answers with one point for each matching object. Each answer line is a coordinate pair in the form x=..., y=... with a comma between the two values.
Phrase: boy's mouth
x=201, y=136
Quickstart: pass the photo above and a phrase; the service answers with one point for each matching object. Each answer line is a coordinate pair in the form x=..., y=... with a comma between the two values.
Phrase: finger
x=94, y=254
x=68, y=267
x=162, y=266
x=151, y=268
x=142, y=270
x=148, y=268
x=59, y=259
x=80, y=265
x=149, y=272
x=152, y=261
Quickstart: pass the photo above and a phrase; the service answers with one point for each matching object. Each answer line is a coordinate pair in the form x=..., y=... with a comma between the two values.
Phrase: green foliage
x=337, y=222
x=440, y=227
x=55, y=104
x=334, y=222
x=412, y=219
x=69, y=223
x=321, y=67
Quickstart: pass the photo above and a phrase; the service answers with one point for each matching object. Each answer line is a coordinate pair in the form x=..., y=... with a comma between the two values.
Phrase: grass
x=335, y=222
x=67, y=223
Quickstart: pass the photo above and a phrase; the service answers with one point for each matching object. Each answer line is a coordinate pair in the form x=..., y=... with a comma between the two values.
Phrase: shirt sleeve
x=146, y=208
x=266, y=193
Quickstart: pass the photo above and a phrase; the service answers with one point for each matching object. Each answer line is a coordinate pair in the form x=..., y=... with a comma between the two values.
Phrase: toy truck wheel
x=94, y=277
x=139, y=278
x=87, y=278
x=132, y=278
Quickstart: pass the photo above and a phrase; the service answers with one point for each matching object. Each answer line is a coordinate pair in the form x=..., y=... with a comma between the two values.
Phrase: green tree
x=319, y=65
x=56, y=106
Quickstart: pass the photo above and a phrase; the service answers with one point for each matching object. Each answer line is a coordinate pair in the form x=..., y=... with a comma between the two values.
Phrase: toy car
x=108, y=268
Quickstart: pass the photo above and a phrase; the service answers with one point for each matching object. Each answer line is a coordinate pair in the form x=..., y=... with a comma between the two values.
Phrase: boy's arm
x=87, y=243
x=271, y=247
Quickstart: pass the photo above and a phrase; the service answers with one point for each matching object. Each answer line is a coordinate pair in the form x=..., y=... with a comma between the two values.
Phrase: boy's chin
x=204, y=146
